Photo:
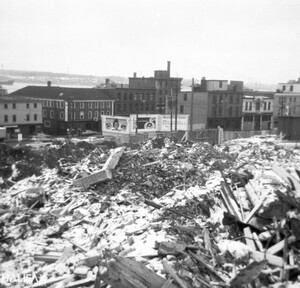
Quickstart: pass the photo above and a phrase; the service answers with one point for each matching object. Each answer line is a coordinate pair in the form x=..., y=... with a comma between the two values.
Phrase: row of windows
x=221, y=98
x=91, y=104
x=284, y=99
x=14, y=118
x=14, y=105
x=136, y=97
x=291, y=88
x=134, y=108
x=218, y=111
x=73, y=114
x=266, y=106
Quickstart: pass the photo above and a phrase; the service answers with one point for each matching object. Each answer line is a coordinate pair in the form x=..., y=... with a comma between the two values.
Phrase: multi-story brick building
x=224, y=103
x=165, y=87
x=20, y=115
x=70, y=108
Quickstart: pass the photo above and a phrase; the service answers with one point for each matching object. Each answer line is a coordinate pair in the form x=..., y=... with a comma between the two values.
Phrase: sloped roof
x=64, y=93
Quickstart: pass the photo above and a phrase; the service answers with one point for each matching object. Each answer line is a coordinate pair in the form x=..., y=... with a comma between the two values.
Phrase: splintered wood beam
x=101, y=176
x=127, y=273
x=273, y=260
x=114, y=158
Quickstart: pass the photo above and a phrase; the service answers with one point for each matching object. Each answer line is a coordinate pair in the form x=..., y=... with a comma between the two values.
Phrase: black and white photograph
x=150, y=143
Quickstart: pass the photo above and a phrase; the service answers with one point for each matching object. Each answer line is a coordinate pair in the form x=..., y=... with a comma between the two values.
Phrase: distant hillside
x=59, y=78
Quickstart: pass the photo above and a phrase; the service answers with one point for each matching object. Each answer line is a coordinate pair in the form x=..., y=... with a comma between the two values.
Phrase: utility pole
x=176, y=104
x=192, y=110
x=171, y=107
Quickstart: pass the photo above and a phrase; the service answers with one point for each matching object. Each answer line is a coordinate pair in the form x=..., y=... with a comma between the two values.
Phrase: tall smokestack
x=49, y=83
x=134, y=75
x=169, y=68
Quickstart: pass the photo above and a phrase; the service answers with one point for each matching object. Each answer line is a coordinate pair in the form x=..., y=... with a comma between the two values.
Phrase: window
x=35, y=105
x=230, y=112
x=220, y=84
x=130, y=97
x=265, y=106
x=81, y=104
x=5, y=118
x=27, y=117
x=90, y=115
x=102, y=104
x=51, y=114
x=246, y=107
x=81, y=115
x=14, y=106
x=62, y=115
x=108, y=113
x=14, y=118
x=74, y=115
x=250, y=106
x=257, y=105
x=184, y=98
x=5, y=106
x=48, y=103
x=90, y=104
x=294, y=99
x=291, y=88
x=283, y=88
x=35, y=117
x=96, y=104
x=125, y=97
x=52, y=103
x=108, y=104
x=269, y=105
x=102, y=112
x=237, y=111
x=124, y=107
x=181, y=109
x=27, y=105
x=44, y=103
x=44, y=113
x=96, y=114
x=47, y=124
x=230, y=99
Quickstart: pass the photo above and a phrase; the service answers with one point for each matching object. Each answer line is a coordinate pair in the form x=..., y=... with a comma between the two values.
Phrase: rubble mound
x=180, y=215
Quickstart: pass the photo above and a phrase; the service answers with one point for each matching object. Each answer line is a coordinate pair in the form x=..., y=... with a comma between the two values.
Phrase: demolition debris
x=179, y=214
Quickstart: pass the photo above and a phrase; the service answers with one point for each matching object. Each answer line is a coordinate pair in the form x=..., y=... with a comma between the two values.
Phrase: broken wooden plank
x=113, y=159
x=257, y=242
x=229, y=202
x=249, y=238
x=127, y=273
x=254, y=210
x=101, y=176
x=280, y=245
x=173, y=274
x=273, y=260
x=48, y=258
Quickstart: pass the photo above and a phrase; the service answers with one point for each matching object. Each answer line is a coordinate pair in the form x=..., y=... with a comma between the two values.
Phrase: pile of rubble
x=162, y=215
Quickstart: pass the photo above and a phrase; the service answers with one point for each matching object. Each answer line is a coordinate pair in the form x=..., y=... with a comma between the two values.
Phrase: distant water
x=19, y=85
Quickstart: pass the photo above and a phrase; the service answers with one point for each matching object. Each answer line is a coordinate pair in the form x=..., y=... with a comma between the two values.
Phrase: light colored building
x=257, y=111
x=20, y=115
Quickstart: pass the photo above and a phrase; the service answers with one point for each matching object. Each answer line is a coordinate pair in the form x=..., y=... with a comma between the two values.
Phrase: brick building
x=20, y=115
x=73, y=109
x=164, y=85
x=224, y=103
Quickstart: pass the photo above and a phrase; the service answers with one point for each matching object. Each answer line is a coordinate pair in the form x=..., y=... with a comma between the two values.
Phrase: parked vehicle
x=41, y=137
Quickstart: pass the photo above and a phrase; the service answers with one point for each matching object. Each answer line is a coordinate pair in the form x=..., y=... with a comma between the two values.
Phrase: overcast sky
x=250, y=40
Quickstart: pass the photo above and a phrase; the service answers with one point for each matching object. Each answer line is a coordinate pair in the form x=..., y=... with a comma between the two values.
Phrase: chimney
x=203, y=84
x=49, y=83
x=134, y=75
x=107, y=81
x=169, y=68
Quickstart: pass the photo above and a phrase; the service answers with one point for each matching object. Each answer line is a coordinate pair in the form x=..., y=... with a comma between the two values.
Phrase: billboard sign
x=145, y=123
x=182, y=122
x=115, y=124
